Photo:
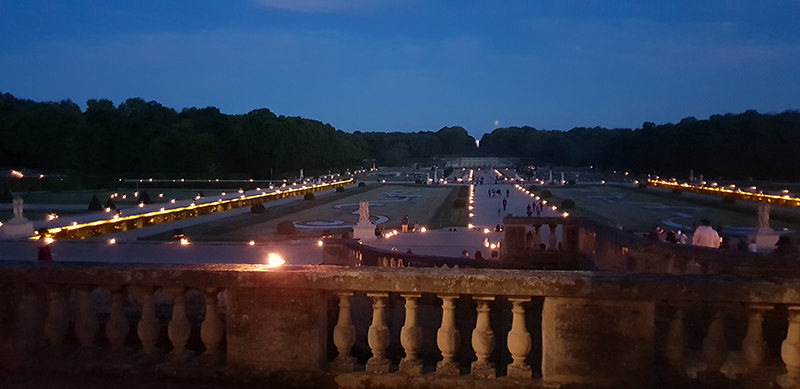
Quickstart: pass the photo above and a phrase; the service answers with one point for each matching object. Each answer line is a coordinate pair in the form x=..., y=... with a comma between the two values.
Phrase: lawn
x=639, y=211
x=420, y=203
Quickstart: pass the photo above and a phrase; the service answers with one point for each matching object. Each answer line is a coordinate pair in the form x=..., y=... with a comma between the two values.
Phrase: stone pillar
x=56, y=326
x=513, y=247
x=149, y=327
x=29, y=321
x=211, y=330
x=448, y=337
x=674, y=346
x=378, y=336
x=519, y=340
x=754, y=348
x=344, y=336
x=276, y=329
x=117, y=327
x=790, y=351
x=597, y=342
x=86, y=324
x=411, y=337
x=483, y=340
x=715, y=348
x=178, y=328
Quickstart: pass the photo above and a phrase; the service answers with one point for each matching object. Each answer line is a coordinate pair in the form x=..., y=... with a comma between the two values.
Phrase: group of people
x=536, y=206
x=479, y=255
x=403, y=227
x=498, y=193
x=706, y=236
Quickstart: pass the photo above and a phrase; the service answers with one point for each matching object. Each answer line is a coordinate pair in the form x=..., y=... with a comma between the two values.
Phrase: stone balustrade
x=364, y=326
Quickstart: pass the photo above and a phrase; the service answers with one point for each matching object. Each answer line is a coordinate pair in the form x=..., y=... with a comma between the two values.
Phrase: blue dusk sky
x=412, y=65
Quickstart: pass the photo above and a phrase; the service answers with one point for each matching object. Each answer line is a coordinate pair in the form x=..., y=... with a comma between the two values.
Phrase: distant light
x=52, y=216
x=565, y=214
x=160, y=195
x=185, y=242
x=252, y=243
x=470, y=225
x=486, y=231
x=141, y=205
x=112, y=241
x=319, y=243
x=172, y=201
x=423, y=229
x=48, y=240
x=492, y=246
x=274, y=260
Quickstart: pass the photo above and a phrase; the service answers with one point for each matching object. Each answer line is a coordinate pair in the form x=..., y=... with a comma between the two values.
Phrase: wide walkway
x=449, y=243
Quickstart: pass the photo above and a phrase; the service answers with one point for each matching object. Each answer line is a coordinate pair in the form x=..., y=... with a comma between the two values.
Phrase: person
x=752, y=247
x=378, y=231
x=705, y=236
x=508, y=192
x=529, y=211
x=465, y=254
x=505, y=202
x=499, y=209
x=408, y=251
x=497, y=228
x=478, y=255
x=741, y=246
x=539, y=208
x=671, y=238
x=495, y=255
x=43, y=252
x=404, y=224
x=725, y=244
x=653, y=234
x=681, y=237
x=416, y=227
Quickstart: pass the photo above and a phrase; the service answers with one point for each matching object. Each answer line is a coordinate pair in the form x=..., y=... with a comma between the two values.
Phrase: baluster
x=483, y=340
x=178, y=328
x=674, y=347
x=754, y=348
x=28, y=323
x=211, y=330
x=344, y=336
x=519, y=340
x=715, y=348
x=117, y=327
x=448, y=338
x=56, y=326
x=149, y=327
x=553, y=238
x=790, y=351
x=411, y=337
x=537, y=239
x=86, y=324
x=378, y=336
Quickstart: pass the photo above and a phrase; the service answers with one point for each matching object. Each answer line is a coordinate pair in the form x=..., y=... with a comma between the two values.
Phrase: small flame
x=274, y=260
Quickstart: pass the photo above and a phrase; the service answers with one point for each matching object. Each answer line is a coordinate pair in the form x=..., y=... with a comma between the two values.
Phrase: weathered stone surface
x=276, y=329
x=597, y=342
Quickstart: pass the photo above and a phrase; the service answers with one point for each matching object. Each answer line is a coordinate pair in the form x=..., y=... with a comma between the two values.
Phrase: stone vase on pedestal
x=765, y=239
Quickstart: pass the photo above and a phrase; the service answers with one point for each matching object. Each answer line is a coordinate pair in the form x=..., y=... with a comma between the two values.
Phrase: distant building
x=480, y=162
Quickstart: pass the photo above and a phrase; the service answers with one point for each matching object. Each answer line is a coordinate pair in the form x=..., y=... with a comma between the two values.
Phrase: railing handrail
x=416, y=260
x=493, y=282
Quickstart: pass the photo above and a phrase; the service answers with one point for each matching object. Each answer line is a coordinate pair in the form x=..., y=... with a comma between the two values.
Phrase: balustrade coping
x=464, y=282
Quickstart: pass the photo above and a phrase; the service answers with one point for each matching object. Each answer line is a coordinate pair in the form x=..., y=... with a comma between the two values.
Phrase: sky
x=413, y=65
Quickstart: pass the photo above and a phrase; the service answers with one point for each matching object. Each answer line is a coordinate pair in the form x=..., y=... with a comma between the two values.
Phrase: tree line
x=735, y=146
x=139, y=137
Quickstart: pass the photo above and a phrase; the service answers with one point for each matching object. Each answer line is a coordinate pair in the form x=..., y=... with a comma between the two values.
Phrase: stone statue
x=363, y=211
x=17, y=202
x=763, y=216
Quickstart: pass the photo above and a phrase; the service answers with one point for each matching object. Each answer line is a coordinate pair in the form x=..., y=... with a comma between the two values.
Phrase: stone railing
x=579, y=243
x=401, y=327
x=349, y=252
